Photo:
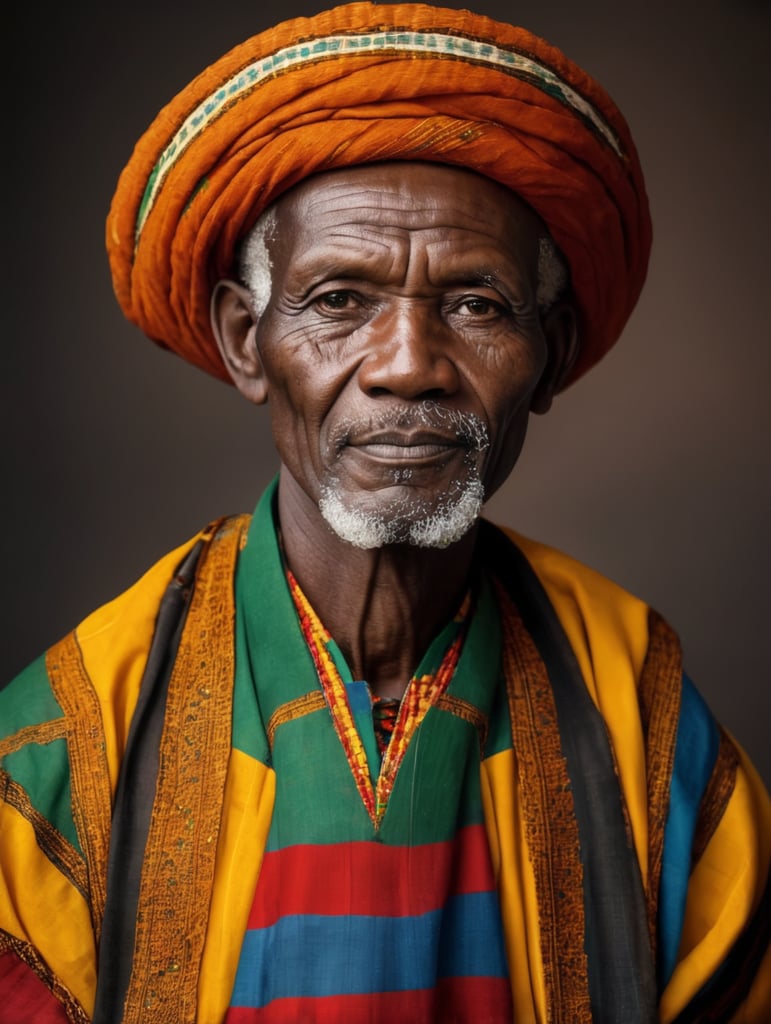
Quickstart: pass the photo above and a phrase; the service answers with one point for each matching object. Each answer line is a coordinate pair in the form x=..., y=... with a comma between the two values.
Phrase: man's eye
x=335, y=301
x=477, y=306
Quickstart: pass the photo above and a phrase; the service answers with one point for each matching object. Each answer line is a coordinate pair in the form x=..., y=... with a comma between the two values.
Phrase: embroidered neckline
x=422, y=692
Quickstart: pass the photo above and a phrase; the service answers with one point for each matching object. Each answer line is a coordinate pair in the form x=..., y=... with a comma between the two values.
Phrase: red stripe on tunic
x=371, y=878
x=452, y=1001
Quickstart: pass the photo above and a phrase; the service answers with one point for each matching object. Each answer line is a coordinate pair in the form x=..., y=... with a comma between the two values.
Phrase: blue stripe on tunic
x=696, y=749
x=319, y=955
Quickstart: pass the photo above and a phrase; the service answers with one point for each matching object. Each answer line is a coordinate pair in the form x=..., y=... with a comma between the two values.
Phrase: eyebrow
x=479, y=277
x=509, y=284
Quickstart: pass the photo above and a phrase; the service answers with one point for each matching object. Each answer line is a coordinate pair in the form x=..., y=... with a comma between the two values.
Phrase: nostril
x=428, y=394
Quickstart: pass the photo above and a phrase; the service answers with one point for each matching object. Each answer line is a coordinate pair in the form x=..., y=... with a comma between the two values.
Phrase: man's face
x=401, y=346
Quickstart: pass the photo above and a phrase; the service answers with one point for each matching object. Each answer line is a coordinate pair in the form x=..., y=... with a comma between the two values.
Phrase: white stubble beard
x=413, y=520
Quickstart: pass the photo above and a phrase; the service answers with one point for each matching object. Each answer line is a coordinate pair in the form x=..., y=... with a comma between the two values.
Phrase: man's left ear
x=560, y=327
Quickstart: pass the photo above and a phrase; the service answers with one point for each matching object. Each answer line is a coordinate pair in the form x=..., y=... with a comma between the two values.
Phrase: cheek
x=509, y=430
x=297, y=364
x=508, y=411
x=303, y=389
x=505, y=452
x=506, y=363
x=506, y=388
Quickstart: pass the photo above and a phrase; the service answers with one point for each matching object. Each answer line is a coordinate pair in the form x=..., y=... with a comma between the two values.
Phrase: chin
x=407, y=521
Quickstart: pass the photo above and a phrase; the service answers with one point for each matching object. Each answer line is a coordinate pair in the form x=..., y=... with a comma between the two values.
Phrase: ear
x=234, y=323
x=560, y=328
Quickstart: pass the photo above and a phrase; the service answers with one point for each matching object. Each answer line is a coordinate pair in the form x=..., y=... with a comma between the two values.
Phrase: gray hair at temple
x=254, y=265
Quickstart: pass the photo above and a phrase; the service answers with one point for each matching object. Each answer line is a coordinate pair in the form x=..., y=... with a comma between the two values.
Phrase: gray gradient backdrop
x=654, y=469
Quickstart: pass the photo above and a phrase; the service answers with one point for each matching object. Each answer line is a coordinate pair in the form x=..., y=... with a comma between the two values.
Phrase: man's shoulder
x=567, y=578
x=607, y=626
x=142, y=599
x=113, y=641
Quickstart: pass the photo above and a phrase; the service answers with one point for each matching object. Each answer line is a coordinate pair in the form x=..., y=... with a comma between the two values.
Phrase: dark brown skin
x=393, y=284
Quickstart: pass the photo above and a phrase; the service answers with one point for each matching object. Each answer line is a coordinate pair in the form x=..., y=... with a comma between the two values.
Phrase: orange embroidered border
x=716, y=796
x=182, y=841
x=550, y=821
x=89, y=774
x=50, y=840
x=468, y=712
x=30, y=956
x=297, y=708
x=660, y=693
x=42, y=733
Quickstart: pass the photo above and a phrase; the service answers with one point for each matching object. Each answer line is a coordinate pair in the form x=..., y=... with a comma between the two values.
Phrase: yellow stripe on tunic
x=250, y=791
x=513, y=869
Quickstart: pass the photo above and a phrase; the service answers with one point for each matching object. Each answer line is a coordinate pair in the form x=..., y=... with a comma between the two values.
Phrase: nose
x=410, y=355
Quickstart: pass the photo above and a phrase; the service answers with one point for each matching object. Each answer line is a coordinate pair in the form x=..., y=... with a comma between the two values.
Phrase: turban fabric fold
x=363, y=83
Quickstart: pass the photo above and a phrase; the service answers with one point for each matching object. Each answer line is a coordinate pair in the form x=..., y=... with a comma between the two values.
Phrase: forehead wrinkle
x=414, y=212
x=343, y=198
x=372, y=228
x=345, y=254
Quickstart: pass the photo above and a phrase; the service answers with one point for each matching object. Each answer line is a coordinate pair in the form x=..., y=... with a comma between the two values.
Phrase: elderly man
x=363, y=756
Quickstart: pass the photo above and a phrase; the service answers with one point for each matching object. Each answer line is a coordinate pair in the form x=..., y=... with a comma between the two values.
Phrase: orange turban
x=361, y=83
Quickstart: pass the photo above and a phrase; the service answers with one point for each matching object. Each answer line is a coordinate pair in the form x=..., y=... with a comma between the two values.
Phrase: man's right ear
x=234, y=323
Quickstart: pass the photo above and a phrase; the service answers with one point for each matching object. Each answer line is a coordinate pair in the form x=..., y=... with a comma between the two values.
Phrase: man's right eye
x=336, y=301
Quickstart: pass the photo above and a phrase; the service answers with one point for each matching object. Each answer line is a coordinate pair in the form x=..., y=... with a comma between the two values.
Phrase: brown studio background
x=654, y=469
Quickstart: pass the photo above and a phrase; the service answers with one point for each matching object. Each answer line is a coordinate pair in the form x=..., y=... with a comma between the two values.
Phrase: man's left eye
x=478, y=306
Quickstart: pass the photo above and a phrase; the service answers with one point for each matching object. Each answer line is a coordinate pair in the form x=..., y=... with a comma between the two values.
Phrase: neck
x=382, y=606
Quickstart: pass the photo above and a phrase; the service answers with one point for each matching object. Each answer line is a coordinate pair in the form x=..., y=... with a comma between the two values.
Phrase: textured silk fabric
x=49, y=860
x=374, y=82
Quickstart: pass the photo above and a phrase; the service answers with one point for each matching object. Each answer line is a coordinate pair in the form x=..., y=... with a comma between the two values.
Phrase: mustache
x=464, y=427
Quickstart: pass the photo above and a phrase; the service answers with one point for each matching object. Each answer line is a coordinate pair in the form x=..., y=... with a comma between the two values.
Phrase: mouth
x=412, y=446
x=410, y=442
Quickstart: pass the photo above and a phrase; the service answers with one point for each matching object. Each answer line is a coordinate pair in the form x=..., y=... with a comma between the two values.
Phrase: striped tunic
x=194, y=826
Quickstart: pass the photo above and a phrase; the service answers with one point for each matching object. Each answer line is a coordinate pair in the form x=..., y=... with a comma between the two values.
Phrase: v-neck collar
x=281, y=670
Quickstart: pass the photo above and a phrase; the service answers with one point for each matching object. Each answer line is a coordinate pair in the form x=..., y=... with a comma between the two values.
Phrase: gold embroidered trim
x=716, y=796
x=550, y=821
x=660, y=693
x=89, y=775
x=59, y=851
x=42, y=733
x=297, y=708
x=30, y=956
x=182, y=840
x=468, y=712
